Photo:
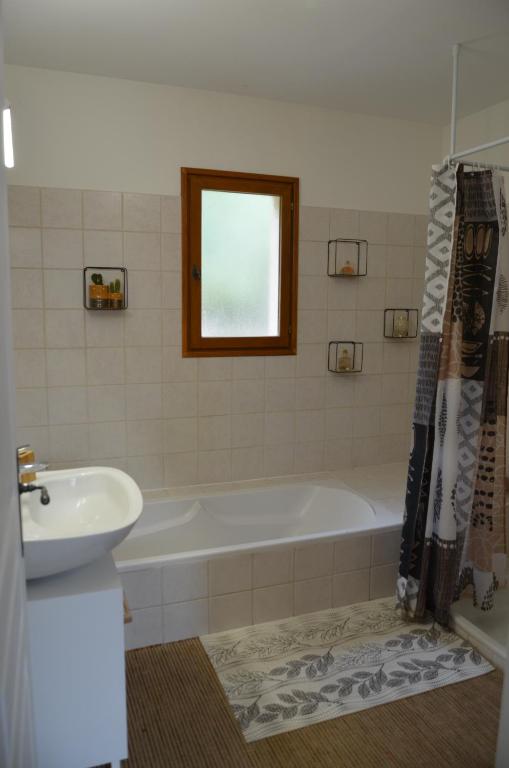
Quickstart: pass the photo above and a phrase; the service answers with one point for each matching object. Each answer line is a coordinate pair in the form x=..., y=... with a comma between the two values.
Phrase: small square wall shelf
x=105, y=288
x=347, y=258
x=345, y=356
x=400, y=323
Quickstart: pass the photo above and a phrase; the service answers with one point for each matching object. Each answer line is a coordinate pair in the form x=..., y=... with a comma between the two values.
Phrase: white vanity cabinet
x=76, y=636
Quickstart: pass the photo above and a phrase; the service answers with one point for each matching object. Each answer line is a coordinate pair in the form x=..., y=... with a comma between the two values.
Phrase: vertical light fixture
x=7, y=134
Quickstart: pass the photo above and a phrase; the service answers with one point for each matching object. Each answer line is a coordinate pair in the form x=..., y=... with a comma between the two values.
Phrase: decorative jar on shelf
x=98, y=292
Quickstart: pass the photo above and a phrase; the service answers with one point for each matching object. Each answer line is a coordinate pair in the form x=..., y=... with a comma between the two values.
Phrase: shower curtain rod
x=453, y=156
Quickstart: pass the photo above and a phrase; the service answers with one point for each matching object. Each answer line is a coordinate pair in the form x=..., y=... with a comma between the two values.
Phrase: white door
x=16, y=738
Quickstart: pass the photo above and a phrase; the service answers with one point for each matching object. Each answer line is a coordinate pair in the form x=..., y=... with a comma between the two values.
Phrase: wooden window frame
x=193, y=181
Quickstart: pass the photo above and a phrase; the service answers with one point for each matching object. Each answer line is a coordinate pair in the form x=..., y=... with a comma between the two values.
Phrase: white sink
x=90, y=511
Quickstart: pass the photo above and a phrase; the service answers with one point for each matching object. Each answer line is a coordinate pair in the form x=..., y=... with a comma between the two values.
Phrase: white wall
x=84, y=132
x=16, y=743
x=487, y=125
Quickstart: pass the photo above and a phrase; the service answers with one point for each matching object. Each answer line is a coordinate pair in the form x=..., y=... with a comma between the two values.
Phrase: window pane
x=240, y=264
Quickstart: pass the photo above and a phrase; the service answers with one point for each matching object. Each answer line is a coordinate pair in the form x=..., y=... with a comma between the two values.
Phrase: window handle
x=195, y=272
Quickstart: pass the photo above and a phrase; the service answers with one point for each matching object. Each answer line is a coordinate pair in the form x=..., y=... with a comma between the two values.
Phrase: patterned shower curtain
x=454, y=524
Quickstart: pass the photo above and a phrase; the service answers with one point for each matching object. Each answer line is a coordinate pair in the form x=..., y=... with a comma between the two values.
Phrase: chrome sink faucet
x=31, y=468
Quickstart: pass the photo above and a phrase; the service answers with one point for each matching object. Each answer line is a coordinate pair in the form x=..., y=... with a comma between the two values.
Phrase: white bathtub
x=215, y=560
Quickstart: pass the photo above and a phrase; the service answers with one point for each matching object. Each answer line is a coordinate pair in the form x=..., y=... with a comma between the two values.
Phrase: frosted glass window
x=240, y=264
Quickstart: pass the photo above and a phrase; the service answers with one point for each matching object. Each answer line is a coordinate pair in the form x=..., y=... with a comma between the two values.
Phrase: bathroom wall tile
x=103, y=248
x=312, y=292
x=421, y=230
x=278, y=460
x=368, y=390
x=142, y=250
x=106, y=403
x=314, y=223
x=28, y=328
x=107, y=439
x=273, y=603
x=377, y=257
x=230, y=611
x=337, y=454
x=185, y=581
x=61, y=208
x=398, y=292
x=142, y=589
x=31, y=407
x=67, y=405
x=247, y=463
x=105, y=365
x=272, y=567
x=373, y=227
x=279, y=394
x=309, y=393
x=172, y=327
x=180, y=469
x=313, y=595
x=144, y=289
x=419, y=259
x=396, y=357
x=143, y=327
x=145, y=629
x=24, y=205
x=104, y=329
x=142, y=213
x=341, y=324
x=309, y=426
x=25, y=247
x=102, y=210
x=143, y=365
x=312, y=326
x=248, y=396
x=342, y=294
x=214, y=369
x=311, y=361
x=400, y=261
x=386, y=547
x=144, y=401
x=371, y=293
x=338, y=423
x=352, y=553
x=214, y=466
x=180, y=435
x=383, y=581
x=68, y=442
x=37, y=437
x=313, y=560
x=394, y=388
x=180, y=399
x=26, y=288
x=230, y=573
x=147, y=471
x=395, y=419
x=171, y=252
x=62, y=248
x=145, y=438
x=339, y=391
x=171, y=291
x=65, y=367
x=367, y=450
x=372, y=357
x=344, y=223
x=30, y=367
x=247, y=429
x=63, y=289
x=349, y=588
x=214, y=432
x=177, y=368
x=279, y=428
x=64, y=328
x=214, y=398
x=400, y=228
x=248, y=368
x=170, y=214
x=366, y=421
x=369, y=325
x=312, y=258
x=184, y=620
x=280, y=367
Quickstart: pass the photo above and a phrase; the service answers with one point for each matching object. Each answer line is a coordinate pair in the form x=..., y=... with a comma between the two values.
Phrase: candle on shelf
x=347, y=268
x=344, y=362
x=401, y=324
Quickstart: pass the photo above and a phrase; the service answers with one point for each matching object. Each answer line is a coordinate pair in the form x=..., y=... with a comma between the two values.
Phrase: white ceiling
x=383, y=57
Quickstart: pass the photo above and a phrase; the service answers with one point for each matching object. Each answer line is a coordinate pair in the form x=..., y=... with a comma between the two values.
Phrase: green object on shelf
x=97, y=278
x=117, y=286
x=112, y=287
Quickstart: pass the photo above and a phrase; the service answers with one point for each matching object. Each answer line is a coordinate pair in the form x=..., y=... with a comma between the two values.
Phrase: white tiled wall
x=113, y=388
x=186, y=599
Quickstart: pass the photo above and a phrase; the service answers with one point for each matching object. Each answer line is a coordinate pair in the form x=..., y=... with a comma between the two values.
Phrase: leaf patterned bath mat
x=287, y=674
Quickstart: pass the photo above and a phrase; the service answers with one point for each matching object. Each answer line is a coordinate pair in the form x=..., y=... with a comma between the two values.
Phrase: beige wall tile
x=248, y=396
x=69, y=442
x=278, y=460
x=214, y=369
x=279, y=428
x=25, y=247
x=67, y=405
x=28, y=328
x=230, y=611
x=64, y=328
x=180, y=435
x=312, y=326
x=185, y=581
x=65, y=367
x=386, y=547
x=144, y=401
x=344, y=223
x=184, y=620
x=247, y=463
x=147, y=471
x=311, y=360
x=272, y=567
x=309, y=426
x=214, y=466
x=142, y=250
x=312, y=595
x=24, y=205
x=107, y=439
x=337, y=454
x=104, y=329
x=272, y=603
x=26, y=288
x=214, y=432
x=145, y=438
x=383, y=581
x=180, y=399
x=102, y=210
x=145, y=629
x=62, y=248
x=373, y=227
x=105, y=365
x=106, y=403
x=171, y=252
x=103, y=249
x=338, y=423
x=31, y=407
x=170, y=214
x=312, y=258
x=142, y=213
x=214, y=398
x=181, y=468
x=63, y=289
x=352, y=553
x=230, y=573
x=349, y=588
x=314, y=223
x=400, y=228
x=30, y=367
x=309, y=457
x=279, y=394
x=142, y=589
x=142, y=327
x=313, y=560
x=309, y=393
x=247, y=429
x=143, y=365
x=61, y=208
